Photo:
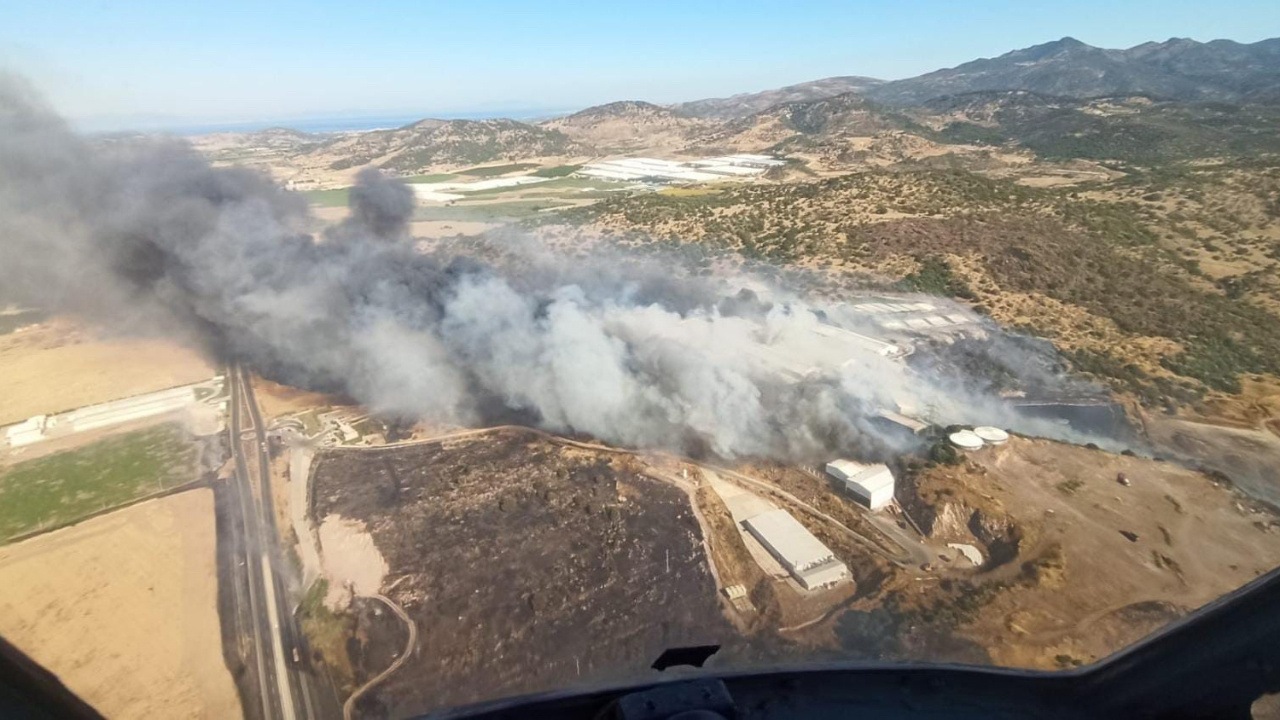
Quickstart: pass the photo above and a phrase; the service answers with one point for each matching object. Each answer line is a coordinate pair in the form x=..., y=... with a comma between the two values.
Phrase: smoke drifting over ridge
x=147, y=236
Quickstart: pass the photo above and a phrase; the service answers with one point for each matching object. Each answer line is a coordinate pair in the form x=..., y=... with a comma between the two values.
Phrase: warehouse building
x=872, y=484
x=810, y=562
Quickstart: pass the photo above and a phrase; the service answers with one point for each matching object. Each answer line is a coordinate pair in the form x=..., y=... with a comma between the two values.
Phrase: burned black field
x=526, y=565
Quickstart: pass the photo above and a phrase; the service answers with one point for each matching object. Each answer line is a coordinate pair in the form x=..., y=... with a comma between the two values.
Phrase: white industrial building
x=810, y=562
x=43, y=427
x=872, y=484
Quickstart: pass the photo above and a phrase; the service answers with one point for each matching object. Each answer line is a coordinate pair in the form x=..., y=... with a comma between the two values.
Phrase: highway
x=286, y=691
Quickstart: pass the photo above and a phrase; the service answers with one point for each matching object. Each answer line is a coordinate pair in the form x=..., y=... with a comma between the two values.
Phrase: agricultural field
x=556, y=171
x=489, y=212
x=495, y=170
x=123, y=609
x=60, y=488
x=429, y=178
x=566, y=187
x=59, y=365
x=337, y=197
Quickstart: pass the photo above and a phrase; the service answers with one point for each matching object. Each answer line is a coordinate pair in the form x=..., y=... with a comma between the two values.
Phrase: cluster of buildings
x=796, y=550
x=911, y=318
x=653, y=170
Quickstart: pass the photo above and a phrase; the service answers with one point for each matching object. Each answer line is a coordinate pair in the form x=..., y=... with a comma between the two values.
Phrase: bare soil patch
x=58, y=366
x=1092, y=565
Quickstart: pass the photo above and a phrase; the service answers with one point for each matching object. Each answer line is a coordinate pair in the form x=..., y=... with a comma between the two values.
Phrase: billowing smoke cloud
x=146, y=236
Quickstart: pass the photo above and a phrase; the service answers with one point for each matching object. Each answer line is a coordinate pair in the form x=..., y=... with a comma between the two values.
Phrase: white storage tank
x=991, y=435
x=966, y=440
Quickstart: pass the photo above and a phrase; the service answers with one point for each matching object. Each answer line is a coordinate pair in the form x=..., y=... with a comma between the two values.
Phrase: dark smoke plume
x=145, y=236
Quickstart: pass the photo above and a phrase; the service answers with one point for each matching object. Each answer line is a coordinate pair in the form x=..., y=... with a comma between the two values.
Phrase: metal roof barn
x=873, y=484
x=808, y=560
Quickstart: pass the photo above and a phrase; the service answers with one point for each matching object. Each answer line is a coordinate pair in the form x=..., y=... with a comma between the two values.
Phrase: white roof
x=790, y=541
x=908, y=422
x=871, y=477
x=991, y=434
x=966, y=439
x=721, y=169
x=611, y=174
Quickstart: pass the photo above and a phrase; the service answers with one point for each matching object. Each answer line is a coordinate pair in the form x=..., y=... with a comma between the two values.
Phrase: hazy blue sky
x=235, y=59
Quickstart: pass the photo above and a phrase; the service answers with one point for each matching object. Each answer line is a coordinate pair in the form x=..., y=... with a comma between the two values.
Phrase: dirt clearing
x=1090, y=564
x=123, y=608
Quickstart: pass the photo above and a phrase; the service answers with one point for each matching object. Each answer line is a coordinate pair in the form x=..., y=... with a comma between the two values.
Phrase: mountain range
x=1064, y=99
x=1177, y=69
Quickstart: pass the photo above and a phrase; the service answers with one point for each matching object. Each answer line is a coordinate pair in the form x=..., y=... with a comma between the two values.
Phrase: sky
x=157, y=61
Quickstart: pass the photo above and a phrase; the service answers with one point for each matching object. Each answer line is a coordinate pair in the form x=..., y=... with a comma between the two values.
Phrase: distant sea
x=332, y=124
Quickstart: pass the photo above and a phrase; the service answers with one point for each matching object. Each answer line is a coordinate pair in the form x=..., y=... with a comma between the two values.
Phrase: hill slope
x=1179, y=69
x=429, y=143
x=744, y=104
x=844, y=115
x=1127, y=129
x=629, y=126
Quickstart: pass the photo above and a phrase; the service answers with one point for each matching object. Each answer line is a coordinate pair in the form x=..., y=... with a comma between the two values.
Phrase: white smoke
x=146, y=236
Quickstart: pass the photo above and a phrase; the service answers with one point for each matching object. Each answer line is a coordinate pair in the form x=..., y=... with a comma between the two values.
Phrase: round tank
x=991, y=435
x=966, y=440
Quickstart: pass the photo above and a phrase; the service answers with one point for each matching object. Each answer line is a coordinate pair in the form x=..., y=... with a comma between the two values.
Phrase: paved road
x=286, y=691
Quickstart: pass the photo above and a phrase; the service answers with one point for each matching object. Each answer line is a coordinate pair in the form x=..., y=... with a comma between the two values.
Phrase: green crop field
x=493, y=170
x=60, y=488
x=328, y=198
x=432, y=178
x=556, y=171
x=566, y=187
x=488, y=212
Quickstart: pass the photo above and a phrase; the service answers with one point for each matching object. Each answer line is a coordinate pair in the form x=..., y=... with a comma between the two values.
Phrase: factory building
x=872, y=484
x=810, y=562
